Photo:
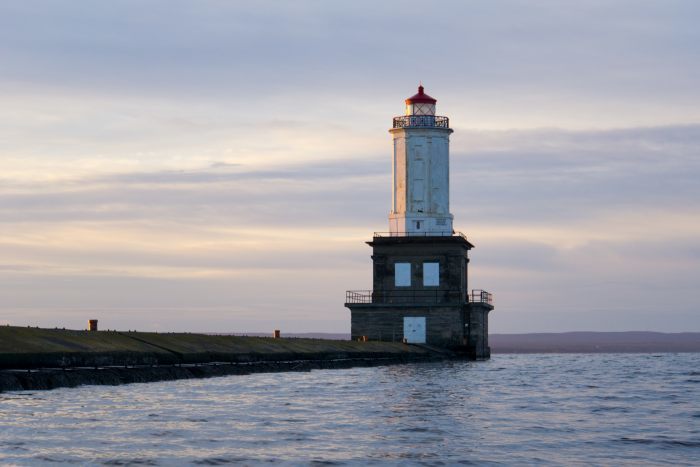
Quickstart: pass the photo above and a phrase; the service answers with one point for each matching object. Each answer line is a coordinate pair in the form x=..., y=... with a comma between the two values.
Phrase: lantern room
x=420, y=104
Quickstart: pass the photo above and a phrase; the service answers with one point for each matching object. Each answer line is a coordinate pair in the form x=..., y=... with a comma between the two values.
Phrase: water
x=608, y=409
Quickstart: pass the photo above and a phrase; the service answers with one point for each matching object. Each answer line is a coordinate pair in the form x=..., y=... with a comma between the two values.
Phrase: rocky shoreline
x=53, y=378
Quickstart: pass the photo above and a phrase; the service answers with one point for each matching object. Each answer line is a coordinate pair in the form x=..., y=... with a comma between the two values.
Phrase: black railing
x=421, y=121
x=480, y=296
x=404, y=296
x=428, y=296
x=420, y=234
x=358, y=296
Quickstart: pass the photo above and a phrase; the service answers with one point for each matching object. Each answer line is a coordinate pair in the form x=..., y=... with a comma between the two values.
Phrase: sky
x=218, y=165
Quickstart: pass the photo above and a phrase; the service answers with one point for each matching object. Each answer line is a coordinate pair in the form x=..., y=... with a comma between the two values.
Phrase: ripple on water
x=221, y=460
x=133, y=461
x=663, y=442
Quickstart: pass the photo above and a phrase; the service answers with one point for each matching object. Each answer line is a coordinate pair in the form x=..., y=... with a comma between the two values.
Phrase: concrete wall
x=450, y=252
x=477, y=320
x=444, y=325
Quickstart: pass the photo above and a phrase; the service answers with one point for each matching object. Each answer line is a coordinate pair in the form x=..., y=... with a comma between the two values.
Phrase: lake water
x=608, y=409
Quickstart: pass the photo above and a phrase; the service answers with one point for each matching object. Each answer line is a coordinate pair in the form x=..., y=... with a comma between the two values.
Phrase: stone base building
x=420, y=295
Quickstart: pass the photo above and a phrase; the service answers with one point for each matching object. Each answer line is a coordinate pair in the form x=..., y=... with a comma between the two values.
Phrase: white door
x=414, y=329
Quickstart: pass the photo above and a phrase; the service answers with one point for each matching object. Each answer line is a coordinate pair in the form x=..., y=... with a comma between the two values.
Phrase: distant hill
x=595, y=342
x=567, y=342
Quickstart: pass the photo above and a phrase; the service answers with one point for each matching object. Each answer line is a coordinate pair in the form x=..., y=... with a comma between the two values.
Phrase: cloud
x=208, y=154
x=542, y=64
x=543, y=176
x=557, y=217
x=534, y=177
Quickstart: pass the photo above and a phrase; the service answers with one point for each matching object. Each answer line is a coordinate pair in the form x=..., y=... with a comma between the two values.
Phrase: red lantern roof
x=420, y=98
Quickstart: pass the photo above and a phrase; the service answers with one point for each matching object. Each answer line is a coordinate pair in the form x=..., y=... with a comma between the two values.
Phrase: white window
x=431, y=274
x=402, y=274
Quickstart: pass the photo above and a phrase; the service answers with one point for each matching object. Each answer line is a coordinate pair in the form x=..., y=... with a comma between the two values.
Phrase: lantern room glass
x=420, y=108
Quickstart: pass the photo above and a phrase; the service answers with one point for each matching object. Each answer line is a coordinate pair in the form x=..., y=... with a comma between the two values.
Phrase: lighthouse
x=420, y=291
x=421, y=181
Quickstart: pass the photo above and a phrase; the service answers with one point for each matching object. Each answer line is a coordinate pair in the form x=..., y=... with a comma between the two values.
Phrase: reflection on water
x=513, y=409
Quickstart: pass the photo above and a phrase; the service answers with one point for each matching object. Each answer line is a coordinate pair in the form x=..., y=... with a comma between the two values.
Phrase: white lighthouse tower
x=421, y=186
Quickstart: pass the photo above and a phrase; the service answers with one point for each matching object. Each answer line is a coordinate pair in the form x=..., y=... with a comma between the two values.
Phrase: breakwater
x=33, y=359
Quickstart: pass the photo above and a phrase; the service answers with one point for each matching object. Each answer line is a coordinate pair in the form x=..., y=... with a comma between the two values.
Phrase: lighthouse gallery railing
x=417, y=296
x=421, y=121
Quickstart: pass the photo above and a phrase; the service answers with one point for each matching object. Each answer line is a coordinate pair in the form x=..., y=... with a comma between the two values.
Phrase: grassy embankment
x=37, y=348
